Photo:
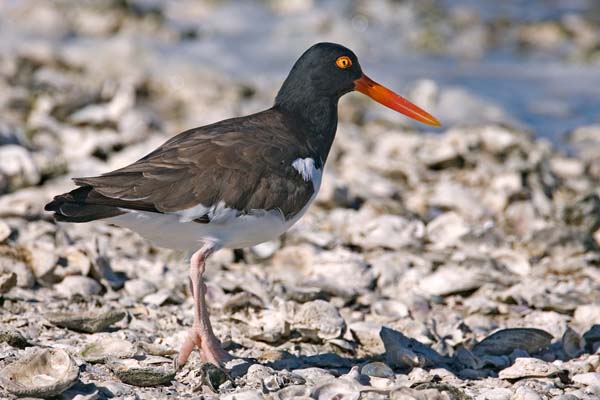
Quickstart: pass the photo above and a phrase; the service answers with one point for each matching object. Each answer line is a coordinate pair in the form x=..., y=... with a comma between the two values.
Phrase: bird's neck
x=316, y=120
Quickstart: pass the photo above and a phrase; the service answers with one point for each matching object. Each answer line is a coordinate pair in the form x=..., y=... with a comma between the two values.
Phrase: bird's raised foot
x=209, y=346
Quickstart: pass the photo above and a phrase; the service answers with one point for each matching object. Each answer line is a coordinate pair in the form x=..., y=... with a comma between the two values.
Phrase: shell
x=592, y=335
x=402, y=351
x=505, y=341
x=319, y=319
x=377, y=369
x=4, y=231
x=572, y=342
x=134, y=373
x=7, y=282
x=14, y=338
x=452, y=279
x=44, y=373
x=107, y=347
x=525, y=367
x=297, y=392
x=87, y=322
x=212, y=376
x=338, y=389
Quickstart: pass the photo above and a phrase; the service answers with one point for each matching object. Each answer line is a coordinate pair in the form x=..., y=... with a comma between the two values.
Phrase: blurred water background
x=532, y=63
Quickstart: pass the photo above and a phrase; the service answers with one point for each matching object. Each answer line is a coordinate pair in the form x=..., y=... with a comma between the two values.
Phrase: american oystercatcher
x=235, y=183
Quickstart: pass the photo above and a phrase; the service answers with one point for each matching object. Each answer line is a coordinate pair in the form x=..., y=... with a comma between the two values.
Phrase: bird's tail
x=74, y=206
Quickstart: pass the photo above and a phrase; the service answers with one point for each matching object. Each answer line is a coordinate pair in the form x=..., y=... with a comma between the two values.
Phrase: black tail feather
x=75, y=206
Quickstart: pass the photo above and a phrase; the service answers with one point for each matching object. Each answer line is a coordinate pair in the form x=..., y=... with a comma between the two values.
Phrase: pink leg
x=201, y=334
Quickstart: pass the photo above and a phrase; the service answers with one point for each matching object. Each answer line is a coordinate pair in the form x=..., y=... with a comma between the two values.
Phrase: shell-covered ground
x=456, y=264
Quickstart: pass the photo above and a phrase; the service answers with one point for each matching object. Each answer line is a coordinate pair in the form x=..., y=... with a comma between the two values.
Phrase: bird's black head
x=324, y=73
x=326, y=70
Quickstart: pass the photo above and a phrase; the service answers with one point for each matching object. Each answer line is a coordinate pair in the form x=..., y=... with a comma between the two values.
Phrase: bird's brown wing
x=245, y=164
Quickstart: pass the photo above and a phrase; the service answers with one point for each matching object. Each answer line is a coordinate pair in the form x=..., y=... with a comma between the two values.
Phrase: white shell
x=44, y=373
x=107, y=347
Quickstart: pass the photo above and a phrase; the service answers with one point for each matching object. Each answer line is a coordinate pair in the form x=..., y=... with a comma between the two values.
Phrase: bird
x=234, y=183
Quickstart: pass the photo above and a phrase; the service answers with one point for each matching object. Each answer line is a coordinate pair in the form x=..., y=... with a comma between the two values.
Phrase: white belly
x=167, y=230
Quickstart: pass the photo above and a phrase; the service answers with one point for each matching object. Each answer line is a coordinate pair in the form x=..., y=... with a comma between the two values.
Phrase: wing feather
x=247, y=166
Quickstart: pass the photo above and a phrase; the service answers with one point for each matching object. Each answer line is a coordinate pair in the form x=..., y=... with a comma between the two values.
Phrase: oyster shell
x=7, y=282
x=107, y=347
x=135, y=373
x=526, y=367
x=319, y=320
x=44, y=373
x=377, y=369
x=87, y=322
x=13, y=338
x=339, y=389
x=505, y=341
x=572, y=343
x=402, y=351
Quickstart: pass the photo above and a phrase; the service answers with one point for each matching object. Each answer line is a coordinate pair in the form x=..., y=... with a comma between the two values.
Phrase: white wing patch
x=190, y=214
x=218, y=213
x=306, y=168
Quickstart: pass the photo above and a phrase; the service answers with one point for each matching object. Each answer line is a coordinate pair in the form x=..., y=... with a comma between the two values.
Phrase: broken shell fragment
x=44, y=373
x=525, y=367
x=107, y=347
x=337, y=389
x=87, y=322
x=135, y=373
x=319, y=320
x=505, y=341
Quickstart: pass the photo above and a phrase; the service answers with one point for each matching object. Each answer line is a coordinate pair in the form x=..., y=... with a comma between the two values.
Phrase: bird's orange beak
x=385, y=96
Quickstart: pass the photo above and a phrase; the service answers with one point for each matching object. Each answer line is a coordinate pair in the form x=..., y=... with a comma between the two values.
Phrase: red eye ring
x=343, y=62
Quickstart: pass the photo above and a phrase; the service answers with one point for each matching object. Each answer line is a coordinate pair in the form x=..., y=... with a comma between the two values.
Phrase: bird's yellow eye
x=343, y=62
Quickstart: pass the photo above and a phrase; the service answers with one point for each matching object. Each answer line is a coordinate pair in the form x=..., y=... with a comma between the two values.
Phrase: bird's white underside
x=178, y=230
